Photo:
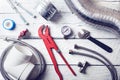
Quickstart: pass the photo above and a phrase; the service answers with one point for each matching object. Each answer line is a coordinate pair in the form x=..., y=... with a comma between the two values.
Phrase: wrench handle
x=67, y=64
x=100, y=44
x=55, y=63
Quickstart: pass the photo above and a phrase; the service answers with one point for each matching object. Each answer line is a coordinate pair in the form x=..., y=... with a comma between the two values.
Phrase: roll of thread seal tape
x=9, y=24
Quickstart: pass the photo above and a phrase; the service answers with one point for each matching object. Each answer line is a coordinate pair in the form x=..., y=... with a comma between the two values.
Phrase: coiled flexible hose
x=36, y=53
x=96, y=15
x=104, y=60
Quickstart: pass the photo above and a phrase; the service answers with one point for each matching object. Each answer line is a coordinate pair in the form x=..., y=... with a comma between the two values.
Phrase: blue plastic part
x=13, y=24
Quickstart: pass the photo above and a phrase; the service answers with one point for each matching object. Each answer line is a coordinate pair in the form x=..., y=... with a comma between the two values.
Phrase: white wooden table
x=65, y=17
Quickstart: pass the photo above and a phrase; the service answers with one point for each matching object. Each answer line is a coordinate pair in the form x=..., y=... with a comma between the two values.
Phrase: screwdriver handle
x=100, y=44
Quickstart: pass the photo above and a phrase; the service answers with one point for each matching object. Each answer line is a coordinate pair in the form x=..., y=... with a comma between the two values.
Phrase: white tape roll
x=9, y=24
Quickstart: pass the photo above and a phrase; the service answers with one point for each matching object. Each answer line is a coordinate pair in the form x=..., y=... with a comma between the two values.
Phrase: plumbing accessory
x=19, y=5
x=67, y=32
x=86, y=35
x=17, y=11
x=80, y=64
x=46, y=9
x=85, y=66
x=91, y=13
x=50, y=44
x=110, y=67
x=23, y=58
x=9, y=24
x=24, y=34
x=18, y=60
x=103, y=59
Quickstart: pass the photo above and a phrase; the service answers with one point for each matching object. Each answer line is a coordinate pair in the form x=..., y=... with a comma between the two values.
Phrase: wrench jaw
x=43, y=31
x=40, y=31
x=85, y=35
x=47, y=31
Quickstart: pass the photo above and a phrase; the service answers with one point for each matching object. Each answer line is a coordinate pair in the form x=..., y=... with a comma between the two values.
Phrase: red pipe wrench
x=50, y=44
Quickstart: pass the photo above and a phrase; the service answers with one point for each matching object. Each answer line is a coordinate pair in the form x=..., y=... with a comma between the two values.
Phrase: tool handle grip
x=100, y=44
x=67, y=64
x=55, y=63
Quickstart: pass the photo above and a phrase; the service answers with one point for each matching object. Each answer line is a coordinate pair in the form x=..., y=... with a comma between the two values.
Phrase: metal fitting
x=84, y=68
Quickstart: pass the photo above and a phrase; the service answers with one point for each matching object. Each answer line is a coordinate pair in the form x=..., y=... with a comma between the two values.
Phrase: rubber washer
x=9, y=24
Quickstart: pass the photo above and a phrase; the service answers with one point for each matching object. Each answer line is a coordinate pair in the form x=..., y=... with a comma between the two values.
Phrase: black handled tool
x=86, y=35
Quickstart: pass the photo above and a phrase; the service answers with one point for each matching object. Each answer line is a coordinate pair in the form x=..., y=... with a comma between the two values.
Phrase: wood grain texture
x=64, y=18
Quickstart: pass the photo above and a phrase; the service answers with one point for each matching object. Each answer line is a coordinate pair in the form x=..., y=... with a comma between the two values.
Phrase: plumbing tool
x=87, y=35
x=50, y=44
x=9, y=24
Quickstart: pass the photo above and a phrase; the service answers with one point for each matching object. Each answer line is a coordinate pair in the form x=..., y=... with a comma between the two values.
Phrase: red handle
x=55, y=64
x=67, y=64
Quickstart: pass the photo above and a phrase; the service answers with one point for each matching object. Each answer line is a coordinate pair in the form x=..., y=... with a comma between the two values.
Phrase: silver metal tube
x=19, y=5
x=13, y=7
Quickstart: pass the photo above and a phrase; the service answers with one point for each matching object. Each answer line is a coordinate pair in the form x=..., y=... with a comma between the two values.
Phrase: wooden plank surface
x=65, y=18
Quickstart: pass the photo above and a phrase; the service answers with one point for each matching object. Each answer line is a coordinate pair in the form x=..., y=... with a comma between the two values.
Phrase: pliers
x=50, y=44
